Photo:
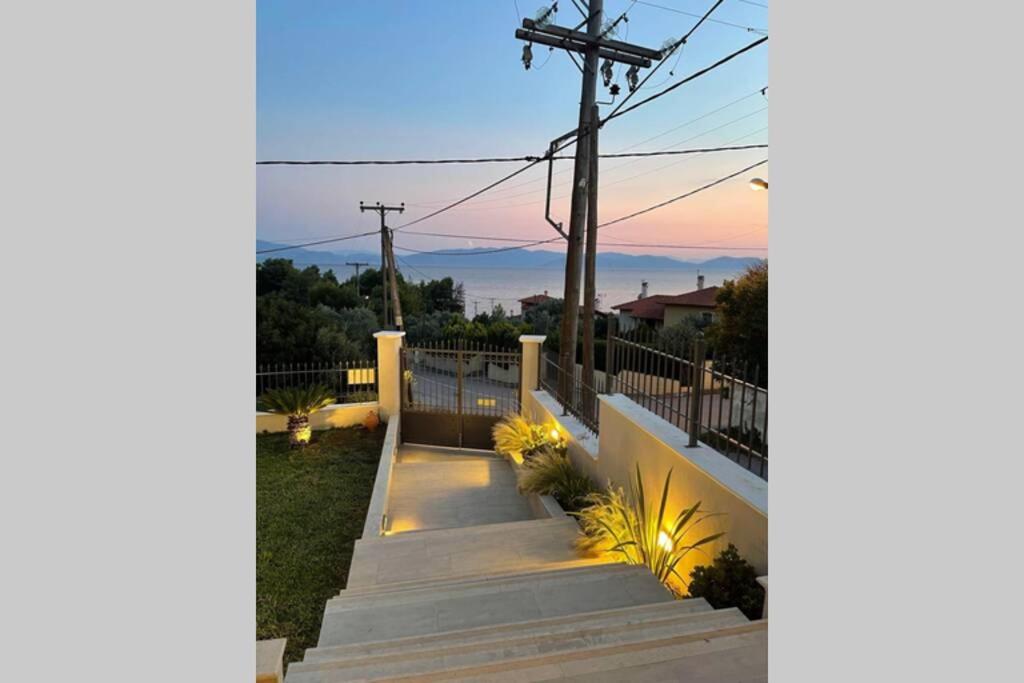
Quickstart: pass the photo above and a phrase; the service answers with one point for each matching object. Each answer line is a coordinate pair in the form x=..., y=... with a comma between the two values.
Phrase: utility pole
x=357, y=264
x=382, y=210
x=589, y=277
x=592, y=45
x=392, y=268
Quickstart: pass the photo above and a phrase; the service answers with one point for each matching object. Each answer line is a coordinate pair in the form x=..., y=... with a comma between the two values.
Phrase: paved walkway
x=439, y=488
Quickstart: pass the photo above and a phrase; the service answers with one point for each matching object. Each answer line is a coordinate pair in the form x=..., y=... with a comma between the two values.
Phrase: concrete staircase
x=513, y=602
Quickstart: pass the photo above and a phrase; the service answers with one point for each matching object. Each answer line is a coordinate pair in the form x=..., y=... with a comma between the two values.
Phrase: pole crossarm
x=576, y=46
x=580, y=37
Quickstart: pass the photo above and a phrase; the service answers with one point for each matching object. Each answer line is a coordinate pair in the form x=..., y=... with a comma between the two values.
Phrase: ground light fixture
x=665, y=541
x=758, y=184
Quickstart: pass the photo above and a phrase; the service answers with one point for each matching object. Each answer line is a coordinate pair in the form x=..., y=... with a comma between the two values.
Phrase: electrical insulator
x=632, y=77
x=527, y=56
x=606, y=72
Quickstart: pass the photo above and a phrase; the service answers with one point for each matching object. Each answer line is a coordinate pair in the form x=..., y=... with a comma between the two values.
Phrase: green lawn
x=310, y=508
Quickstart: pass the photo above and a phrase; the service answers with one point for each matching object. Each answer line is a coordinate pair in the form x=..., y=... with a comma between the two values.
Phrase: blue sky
x=394, y=79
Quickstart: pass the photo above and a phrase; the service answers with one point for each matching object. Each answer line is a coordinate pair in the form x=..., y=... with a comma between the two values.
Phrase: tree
x=741, y=325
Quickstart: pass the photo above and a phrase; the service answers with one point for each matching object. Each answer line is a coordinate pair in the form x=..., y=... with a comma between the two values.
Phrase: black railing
x=577, y=397
x=350, y=381
x=715, y=399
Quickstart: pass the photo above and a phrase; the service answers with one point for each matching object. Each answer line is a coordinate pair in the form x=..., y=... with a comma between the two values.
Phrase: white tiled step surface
x=729, y=654
x=489, y=549
x=737, y=654
x=456, y=608
x=404, y=591
x=530, y=641
x=617, y=616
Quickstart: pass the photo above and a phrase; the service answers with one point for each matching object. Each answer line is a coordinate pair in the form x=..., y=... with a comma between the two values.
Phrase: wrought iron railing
x=714, y=398
x=350, y=381
x=717, y=400
x=576, y=396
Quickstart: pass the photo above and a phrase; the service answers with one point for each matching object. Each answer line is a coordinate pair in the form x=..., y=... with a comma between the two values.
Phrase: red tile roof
x=648, y=308
x=704, y=298
x=653, y=307
x=536, y=299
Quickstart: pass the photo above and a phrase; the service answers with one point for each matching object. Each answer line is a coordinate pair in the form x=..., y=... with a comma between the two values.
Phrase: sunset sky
x=389, y=79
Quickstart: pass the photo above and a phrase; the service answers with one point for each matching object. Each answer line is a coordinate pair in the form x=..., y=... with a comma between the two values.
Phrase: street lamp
x=758, y=184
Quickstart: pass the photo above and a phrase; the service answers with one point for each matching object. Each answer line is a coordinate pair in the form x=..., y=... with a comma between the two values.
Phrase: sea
x=486, y=287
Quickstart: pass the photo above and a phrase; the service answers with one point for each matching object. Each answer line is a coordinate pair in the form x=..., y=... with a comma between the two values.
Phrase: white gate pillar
x=531, y=345
x=389, y=372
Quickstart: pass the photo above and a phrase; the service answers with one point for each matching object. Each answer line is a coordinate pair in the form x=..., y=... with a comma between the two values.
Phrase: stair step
x=726, y=654
x=733, y=655
x=618, y=615
x=490, y=549
x=451, y=609
x=435, y=535
x=526, y=642
x=402, y=591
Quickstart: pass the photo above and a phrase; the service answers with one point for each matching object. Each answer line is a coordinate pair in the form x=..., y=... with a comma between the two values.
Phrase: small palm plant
x=298, y=403
x=626, y=525
x=550, y=472
x=516, y=436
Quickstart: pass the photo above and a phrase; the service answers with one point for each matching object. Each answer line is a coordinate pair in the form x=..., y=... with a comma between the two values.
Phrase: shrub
x=298, y=403
x=626, y=525
x=729, y=582
x=550, y=472
x=515, y=435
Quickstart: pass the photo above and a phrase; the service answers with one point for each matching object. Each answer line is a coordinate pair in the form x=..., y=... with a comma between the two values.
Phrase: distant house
x=659, y=310
x=535, y=300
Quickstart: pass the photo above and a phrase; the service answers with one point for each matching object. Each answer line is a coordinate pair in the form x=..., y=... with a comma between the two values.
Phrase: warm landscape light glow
x=758, y=184
x=554, y=435
x=665, y=541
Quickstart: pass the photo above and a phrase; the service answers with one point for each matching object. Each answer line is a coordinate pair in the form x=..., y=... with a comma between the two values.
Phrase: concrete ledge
x=337, y=415
x=376, y=514
x=763, y=580
x=269, y=660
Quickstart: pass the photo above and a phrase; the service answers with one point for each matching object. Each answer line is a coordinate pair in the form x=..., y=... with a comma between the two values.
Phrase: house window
x=705, y=317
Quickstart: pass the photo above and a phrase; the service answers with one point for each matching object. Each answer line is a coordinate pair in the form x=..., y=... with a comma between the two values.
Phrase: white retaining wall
x=631, y=435
x=338, y=415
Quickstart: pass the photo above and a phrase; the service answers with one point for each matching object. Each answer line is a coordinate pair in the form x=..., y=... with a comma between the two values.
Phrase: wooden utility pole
x=357, y=264
x=392, y=268
x=589, y=278
x=593, y=46
x=382, y=210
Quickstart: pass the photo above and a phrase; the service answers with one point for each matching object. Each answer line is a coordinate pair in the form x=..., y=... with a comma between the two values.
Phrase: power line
x=487, y=160
x=310, y=244
x=755, y=4
x=637, y=144
x=683, y=196
x=749, y=29
x=675, y=46
x=618, y=111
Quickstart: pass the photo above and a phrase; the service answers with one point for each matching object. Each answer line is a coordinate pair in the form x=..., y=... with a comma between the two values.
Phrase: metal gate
x=454, y=392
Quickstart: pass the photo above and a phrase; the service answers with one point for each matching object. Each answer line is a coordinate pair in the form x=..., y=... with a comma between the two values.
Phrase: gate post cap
x=532, y=338
x=388, y=334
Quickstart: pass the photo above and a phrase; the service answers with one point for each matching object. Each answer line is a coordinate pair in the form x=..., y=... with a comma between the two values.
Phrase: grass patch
x=310, y=507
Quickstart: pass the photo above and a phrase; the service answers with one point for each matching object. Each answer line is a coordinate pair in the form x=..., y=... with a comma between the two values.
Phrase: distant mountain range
x=486, y=257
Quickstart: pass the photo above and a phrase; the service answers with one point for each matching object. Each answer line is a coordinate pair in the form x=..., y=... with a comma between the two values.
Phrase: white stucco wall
x=338, y=415
x=631, y=435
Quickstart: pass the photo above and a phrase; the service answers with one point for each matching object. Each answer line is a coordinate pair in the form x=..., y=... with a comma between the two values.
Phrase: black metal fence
x=576, y=396
x=713, y=398
x=351, y=381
